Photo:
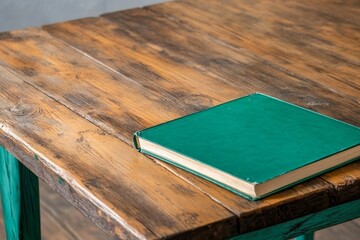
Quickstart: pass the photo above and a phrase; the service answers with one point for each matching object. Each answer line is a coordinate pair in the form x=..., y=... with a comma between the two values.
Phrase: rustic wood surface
x=302, y=228
x=113, y=184
x=59, y=220
x=72, y=94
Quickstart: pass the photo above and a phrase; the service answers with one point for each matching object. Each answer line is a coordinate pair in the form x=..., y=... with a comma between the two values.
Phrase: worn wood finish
x=235, y=203
x=19, y=191
x=126, y=194
x=56, y=221
x=238, y=72
x=136, y=27
x=66, y=77
x=311, y=222
x=294, y=39
x=129, y=70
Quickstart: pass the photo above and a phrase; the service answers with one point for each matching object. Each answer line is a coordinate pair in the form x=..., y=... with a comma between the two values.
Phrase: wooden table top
x=72, y=94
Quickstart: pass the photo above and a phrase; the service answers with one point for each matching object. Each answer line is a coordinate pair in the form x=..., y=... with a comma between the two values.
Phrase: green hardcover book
x=254, y=146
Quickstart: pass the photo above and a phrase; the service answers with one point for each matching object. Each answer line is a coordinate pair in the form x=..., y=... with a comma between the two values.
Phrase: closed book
x=254, y=146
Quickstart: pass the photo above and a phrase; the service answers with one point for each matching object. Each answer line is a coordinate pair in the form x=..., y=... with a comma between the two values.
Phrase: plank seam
x=99, y=123
x=58, y=170
x=253, y=56
x=313, y=47
x=219, y=41
x=118, y=136
x=99, y=63
x=108, y=129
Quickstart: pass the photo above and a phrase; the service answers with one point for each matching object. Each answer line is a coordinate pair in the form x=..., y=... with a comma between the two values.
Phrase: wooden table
x=72, y=94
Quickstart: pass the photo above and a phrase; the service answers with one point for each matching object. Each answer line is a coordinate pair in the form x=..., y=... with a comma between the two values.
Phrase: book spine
x=136, y=140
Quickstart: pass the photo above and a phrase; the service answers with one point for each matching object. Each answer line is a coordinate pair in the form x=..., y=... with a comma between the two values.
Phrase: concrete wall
x=16, y=14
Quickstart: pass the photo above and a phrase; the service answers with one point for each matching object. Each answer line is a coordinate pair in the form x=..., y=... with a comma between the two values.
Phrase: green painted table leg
x=19, y=190
x=306, y=225
x=306, y=236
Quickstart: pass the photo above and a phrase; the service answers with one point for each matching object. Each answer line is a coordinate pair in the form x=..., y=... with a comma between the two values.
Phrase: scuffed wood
x=191, y=45
x=129, y=70
x=120, y=189
x=346, y=182
x=113, y=101
x=238, y=70
x=306, y=224
x=303, y=43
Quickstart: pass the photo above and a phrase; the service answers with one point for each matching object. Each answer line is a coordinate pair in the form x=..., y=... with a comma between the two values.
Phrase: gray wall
x=16, y=14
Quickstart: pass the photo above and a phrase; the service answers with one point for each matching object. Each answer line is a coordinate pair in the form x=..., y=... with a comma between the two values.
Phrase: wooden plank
x=235, y=203
x=19, y=191
x=123, y=48
x=50, y=64
x=235, y=71
x=134, y=199
x=311, y=222
x=194, y=43
x=332, y=10
x=308, y=197
x=326, y=52
x=138, y=25
x=345, y=179
x=52, y=230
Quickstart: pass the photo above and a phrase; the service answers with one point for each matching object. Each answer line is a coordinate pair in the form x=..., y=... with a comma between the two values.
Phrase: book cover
x=255, y=139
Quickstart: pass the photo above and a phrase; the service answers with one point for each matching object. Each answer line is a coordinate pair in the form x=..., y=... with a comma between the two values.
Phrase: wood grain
x=100, y=93
x=82, y=229
x=309, y=223
x=129, y=200
x=133, y=69
x=236, y=71
x=138, y=25
x=326, y=52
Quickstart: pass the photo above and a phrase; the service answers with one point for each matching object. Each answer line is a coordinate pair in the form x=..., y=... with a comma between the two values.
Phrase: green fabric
x=255, y=138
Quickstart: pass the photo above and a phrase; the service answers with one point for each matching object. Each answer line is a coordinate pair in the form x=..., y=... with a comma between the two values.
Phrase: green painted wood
x=306, y=236
x=19, y=189
x=306, y=224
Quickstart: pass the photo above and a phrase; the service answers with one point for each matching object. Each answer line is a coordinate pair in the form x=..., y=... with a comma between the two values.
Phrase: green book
x=254, y=145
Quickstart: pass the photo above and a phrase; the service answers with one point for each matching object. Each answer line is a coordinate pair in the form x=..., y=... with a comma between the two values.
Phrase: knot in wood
x=25, y=109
